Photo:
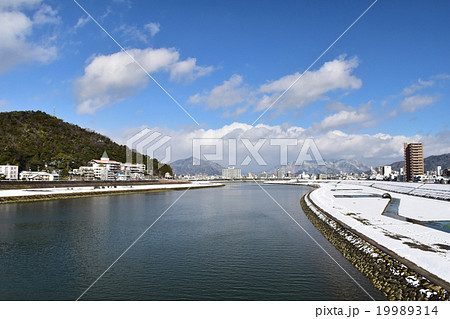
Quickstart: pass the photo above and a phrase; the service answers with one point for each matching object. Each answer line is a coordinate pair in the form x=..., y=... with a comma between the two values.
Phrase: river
x=228, y=243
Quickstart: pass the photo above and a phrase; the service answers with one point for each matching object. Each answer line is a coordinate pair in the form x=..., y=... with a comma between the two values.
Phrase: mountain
x=34, y=139
x=185, y=167
x=397, y=165
x=330, y=167
x=430, y=162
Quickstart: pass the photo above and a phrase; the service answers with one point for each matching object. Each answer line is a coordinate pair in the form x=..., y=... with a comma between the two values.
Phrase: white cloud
x=342, y=119
x=111, y=78
x=228, y=94
x=337, y=106
x=345, y=116
x=373, y=149
x=16, y=4
x=188, y=70
x=82, y=21
x=131, y=33
x=312, y=86
x=435, y=80
x=417, y=86
x=442, y=76
x=415, y=102
x=46, y=14
x=17, y=28
x=236, y=113
x=153, y=28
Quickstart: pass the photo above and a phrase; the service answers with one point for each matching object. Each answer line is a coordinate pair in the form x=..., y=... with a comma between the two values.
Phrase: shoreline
x=396, y=277
x=80, y=192
x=18, y=185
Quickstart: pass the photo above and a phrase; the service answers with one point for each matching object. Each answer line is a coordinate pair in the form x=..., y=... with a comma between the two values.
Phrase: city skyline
x=382, y=84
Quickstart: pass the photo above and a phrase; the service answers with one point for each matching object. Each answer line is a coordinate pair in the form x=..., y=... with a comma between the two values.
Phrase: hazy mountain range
x=186, y=167
x=430, y=162
x=330, y=167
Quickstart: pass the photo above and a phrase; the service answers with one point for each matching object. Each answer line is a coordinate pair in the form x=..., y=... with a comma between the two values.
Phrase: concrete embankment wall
x=392, y=277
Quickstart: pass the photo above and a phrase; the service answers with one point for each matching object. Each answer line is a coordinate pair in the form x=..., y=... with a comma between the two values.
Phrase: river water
x=228, y=243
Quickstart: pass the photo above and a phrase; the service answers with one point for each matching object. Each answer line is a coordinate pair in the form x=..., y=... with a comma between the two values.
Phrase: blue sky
x=385, y=82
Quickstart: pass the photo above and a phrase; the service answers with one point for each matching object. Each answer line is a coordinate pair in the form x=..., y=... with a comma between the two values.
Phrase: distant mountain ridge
x=430, y=162
x=330, y=167
x=186, y=167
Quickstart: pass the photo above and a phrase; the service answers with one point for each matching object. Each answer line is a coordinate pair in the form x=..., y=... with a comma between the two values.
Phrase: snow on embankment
x=16, y=195
x=405, y=261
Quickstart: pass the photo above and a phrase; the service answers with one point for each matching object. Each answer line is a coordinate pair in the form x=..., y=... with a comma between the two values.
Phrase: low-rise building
x=263, y=175
x=132, y=168
x=108, y=170
x=168, y=176
x=9, y=172
x=86, y=172
x=38, y=176
x=105, y=162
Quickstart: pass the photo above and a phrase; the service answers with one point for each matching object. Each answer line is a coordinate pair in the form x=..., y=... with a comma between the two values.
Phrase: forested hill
x=33, y=139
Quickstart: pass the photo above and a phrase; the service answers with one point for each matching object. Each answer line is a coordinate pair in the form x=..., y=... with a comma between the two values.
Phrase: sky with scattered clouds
x=246, y=69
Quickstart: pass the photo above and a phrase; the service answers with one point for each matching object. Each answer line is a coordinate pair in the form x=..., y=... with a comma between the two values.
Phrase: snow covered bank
x=361, y=207
x=426, y=247
x=30, y=194
x=388, y=274
x=409, y=236
x=436, y=191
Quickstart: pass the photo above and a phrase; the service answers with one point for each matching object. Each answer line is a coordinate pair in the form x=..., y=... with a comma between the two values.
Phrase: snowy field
x=426, y=247
x=99, y=190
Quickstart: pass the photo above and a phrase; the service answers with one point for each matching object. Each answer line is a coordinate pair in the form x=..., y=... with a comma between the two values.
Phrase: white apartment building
x=103, y=173
x=231, y=172
x=132, y=168
x=386, y=171
x=86, y=172
x=10, y=172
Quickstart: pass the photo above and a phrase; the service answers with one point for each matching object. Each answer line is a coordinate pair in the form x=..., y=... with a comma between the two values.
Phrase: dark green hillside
x=33, y=139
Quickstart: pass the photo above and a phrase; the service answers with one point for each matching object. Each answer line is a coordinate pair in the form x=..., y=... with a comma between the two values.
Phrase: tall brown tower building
x=413, y=160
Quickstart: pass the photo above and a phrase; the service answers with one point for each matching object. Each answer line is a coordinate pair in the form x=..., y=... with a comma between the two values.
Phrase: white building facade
x=231, y=172
x=386, y=171
x=10, y=172
x=107, y=170
x=38, y=176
